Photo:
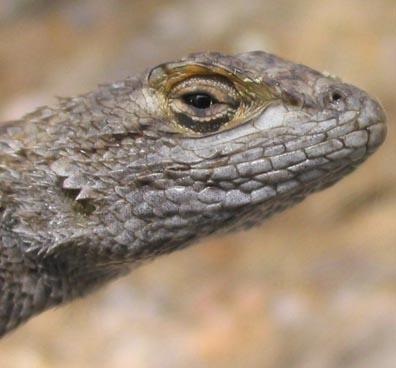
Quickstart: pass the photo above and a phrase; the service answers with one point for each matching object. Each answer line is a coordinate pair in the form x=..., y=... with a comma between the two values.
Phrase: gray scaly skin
x=95, y=185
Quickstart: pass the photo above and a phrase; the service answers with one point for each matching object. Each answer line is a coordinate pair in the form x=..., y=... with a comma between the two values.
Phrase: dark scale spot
x=118, y=137
x=84, y=206
x=71, y=193
x=294, y=99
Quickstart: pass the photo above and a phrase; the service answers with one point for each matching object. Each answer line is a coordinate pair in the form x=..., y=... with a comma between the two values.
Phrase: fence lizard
x=93, y=186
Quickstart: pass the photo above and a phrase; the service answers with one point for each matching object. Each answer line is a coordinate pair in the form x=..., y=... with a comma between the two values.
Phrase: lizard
x=99, y=183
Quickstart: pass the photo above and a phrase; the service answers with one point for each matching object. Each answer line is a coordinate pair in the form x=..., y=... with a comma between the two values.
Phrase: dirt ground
x=312, y=287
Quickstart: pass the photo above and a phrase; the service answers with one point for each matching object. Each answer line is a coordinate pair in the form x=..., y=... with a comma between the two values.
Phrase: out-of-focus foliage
x=313, y=287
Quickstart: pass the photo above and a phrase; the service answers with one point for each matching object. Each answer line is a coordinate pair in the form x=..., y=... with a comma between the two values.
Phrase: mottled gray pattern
x=96, y=184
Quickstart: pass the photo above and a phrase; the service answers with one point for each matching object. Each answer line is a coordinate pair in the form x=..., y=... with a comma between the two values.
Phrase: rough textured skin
x=98, y=183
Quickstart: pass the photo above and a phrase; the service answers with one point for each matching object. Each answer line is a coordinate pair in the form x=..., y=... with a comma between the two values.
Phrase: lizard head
x=212, y=142
x=217, y=142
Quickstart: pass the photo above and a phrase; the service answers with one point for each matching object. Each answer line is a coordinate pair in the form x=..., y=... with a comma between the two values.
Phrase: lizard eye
x=199, y=100
x=204, y=103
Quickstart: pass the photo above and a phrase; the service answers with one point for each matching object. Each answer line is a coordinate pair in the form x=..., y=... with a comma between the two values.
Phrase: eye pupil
x=199, y=100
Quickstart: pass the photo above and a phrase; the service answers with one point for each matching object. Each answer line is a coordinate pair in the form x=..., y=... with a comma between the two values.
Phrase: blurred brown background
x=312, y=287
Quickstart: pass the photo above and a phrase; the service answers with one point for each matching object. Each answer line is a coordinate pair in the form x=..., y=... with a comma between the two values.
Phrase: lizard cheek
x=271, y=117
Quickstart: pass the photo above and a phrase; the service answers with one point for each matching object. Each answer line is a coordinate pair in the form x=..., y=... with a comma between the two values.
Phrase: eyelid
x=213, y=85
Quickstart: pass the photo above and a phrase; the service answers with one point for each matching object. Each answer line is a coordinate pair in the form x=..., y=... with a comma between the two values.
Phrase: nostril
x=335, y=96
